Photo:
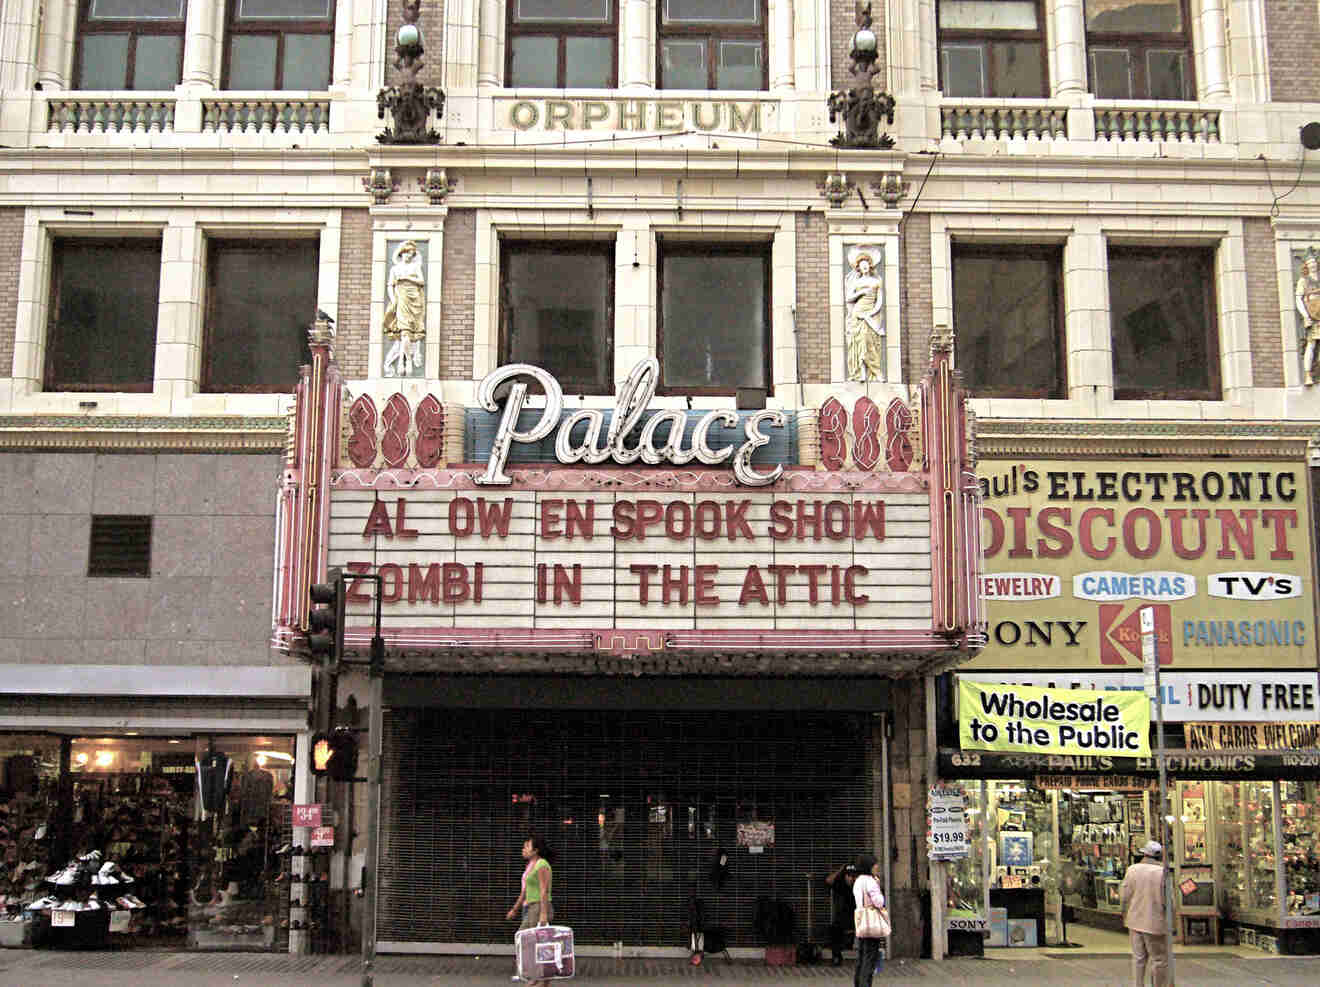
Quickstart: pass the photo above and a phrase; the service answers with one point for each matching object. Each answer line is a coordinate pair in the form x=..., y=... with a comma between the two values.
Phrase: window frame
x=209, y=340
x=51, y=382
x=605, y=248
x=1050, y=251
x=135, y=28
x=277, y=27
x=1138, y=45
x=561, y=30
x=1214, y=391
x=679, y=247
x=967, y=37
x=712, y=32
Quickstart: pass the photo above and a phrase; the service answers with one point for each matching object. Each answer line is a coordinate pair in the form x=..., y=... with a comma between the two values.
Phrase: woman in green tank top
x=534, y=898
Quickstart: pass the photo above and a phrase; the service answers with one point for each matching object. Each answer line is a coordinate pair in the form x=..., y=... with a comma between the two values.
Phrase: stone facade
x=1293, y=28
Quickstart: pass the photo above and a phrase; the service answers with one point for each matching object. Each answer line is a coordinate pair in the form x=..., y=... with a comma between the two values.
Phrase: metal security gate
x=637, y=806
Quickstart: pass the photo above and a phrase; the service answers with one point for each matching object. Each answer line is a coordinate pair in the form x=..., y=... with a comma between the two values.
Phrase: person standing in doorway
x=1142, y=897
x=867, y=894
x=534, y=898
x=839, y=881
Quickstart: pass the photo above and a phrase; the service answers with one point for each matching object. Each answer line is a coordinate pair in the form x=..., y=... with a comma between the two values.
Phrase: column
x=461, y=44
x=1214, y=42
x=1069, y=47
x=199, y=44
x=55, y=45
x=781, y=44
x=635, y=67
x=490, y=52
x=18, y=44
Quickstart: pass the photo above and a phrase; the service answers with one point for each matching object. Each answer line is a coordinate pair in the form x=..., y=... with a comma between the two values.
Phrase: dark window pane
x=712, y=11
x=102, y=334
x=739, y=65
x=157, y=63
x=270, y=10
x=1017, y=70
x=307, y=62
x=557, y=313
x=252, y=61
x=262, y=297
x=988, y=15
x=136, y=10
x=1134, y=16
x=1005, y=317
x=683, y=65
x=1111, y=76
x=120, y=545
x=964, y=71
x=104, y=61
x=589, y=62
x=535, y=61
x=533, y=11
x=1162, y=317
x=713, y=312
x=1167, y=75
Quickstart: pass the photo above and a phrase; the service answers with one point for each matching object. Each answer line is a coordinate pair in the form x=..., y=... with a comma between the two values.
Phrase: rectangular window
x=557, y=311
x=1139, y=49
x=130, y=44
x=714, y=318
x=562, y=44
x=713, y=44
x=992, y=48
x=1008, y=320
x=1162, y=321
x=101, y=331
x=261, y=297
x=120, y=545
x=279, y=44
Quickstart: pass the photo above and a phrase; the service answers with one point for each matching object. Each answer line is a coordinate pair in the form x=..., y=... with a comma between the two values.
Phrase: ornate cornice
x=221, y=433
x=1001, y=437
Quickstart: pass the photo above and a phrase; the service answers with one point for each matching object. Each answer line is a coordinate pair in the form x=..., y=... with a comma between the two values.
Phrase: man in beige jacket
x=1142, y=895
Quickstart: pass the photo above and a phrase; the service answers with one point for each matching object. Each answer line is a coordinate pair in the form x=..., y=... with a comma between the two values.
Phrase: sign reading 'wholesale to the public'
x=1052, y=721
x=568, y=559
x=1221, y=552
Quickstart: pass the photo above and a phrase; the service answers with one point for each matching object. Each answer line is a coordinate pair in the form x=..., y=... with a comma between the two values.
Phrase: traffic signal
x=335, y=754
x=325, y=619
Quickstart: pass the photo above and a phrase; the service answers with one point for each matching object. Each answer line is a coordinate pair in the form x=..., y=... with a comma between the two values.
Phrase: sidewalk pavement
x=151, y=968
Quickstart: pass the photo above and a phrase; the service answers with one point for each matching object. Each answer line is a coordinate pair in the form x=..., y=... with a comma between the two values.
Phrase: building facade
x=1105, y=206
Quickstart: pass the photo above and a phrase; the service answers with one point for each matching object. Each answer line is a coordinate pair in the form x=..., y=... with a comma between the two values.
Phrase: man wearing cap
x=839, y=881
x=1142, y=896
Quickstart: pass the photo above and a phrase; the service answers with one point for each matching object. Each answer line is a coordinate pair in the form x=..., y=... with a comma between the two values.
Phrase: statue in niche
x=864, y=294
x=1307, y=298
x=405, y=316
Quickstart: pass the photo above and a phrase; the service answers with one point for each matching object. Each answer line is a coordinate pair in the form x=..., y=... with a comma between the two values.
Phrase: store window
x=279, y=44
x=1139, y=50
x=101, y=329
x=714, y=318
x=712, y=44
x=261, y=297
x=992, y=48
x=130, y=44
x=557, y=311
x=1162, y=319
x=1008, y=320
x=562, y=44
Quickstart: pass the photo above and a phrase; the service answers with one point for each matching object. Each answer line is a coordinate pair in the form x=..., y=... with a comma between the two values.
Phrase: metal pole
x=1151, y=660
x=375, y=746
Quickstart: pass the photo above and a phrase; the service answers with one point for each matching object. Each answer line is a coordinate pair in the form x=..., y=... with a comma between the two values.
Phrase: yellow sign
x=1252, y=736
x=1219, y=550
x=1025, y=719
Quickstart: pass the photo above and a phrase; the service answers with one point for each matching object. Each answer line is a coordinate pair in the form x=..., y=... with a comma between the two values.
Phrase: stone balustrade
x=998, y=121
x=87, y=114
x=265, y=115
x=1154, y=124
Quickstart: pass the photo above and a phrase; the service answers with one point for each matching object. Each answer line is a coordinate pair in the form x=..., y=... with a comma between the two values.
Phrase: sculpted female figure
x=405, y=318
x=1307, y=297
x=864, y=291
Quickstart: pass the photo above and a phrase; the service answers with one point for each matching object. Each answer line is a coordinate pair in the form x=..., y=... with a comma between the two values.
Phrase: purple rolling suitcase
x=545, y=953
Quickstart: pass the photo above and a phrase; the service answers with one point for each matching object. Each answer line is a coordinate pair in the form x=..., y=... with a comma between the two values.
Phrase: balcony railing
x=266, y=115
x=1155, y=124
x=997, y=121
x=88, y=114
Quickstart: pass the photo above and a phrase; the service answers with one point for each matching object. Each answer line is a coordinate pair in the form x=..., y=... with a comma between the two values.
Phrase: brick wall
x=843, y=23
x=917, y=303
x=1292, y=30
x=353, y=323
x=457, y=305
x=431, y=22
x=11, y=245
x=813, y=299
x=1263, y=304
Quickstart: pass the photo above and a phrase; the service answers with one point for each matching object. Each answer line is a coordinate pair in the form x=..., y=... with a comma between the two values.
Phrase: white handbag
x=871, y=923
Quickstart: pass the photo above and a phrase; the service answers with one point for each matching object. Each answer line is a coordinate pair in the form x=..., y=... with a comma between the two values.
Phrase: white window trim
x=180, y=311
x=1087, y=333
x=635, y=236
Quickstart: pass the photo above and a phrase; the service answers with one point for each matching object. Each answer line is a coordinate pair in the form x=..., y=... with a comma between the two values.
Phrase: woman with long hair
x=867, y=894
x=534, y=898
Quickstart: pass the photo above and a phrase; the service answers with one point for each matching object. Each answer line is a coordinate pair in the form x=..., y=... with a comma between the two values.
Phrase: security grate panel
x=637, y=807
